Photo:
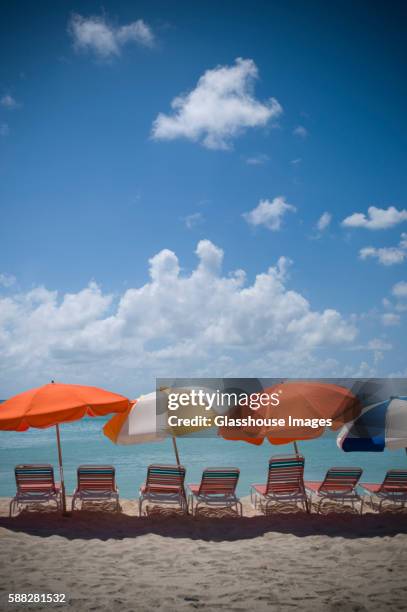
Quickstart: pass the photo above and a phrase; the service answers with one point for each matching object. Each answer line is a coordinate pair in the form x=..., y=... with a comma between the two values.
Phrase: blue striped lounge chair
x=339, y=485
x=96, y=483
x=164, y=485
x=35, y=485
x=392, y=489
x=285, y=483
x=217, y=489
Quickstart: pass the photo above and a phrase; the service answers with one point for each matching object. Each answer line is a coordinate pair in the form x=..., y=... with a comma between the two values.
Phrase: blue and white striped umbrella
x=379, y=426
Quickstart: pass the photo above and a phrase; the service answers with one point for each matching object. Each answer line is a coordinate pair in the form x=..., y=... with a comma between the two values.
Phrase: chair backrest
x=37, y=478
x=341, y=479
x=164, y=478
x=96, y=478
x=395, y=481
x=219, y=481
x=286, y=474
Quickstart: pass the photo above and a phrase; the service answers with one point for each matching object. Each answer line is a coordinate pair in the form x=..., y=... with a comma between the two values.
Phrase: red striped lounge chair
x=217, y=489
x=392, y=489
x=35, y=485
x=285, y=483
x=164, y=485
x=96, y=483
x=339, y=485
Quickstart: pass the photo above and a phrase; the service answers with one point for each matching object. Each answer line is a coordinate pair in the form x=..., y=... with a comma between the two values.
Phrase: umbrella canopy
x=58, y=403
x=146, y=420
x=303, y=400
x=379, y=426
x=138, y=424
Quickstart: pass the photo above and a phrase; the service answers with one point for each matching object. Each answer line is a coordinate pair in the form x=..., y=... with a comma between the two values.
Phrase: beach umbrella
x=302, y=405
x=380, y=425
x=146, y=420
x=54, y=404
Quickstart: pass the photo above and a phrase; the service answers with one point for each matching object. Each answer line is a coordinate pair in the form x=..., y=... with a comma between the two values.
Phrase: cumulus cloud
x=193, y=220
x=376, y=218
x=97, y=35
x=390, y=319
x=221, y=107
x=300, y=131
x=202, y=323
x=7, y=280
x=269, y=213
x=400, y=289
x=7, y=101
x=387, y=256
x=4, y=129
x=257, y=160
x=324, y=221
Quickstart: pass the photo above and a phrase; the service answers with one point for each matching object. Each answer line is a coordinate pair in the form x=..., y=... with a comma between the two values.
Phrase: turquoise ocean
x=83, y=442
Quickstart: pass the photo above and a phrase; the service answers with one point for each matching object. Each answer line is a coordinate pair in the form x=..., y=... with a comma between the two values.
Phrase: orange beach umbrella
x=58, y=403
x=300, y=402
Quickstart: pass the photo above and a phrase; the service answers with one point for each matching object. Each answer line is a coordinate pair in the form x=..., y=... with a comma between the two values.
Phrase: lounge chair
x=393, y=488
x=96, y=483
x=35, y=485
x=164, y=485
x=339, y=485
x=217, y=489
x=285, y=483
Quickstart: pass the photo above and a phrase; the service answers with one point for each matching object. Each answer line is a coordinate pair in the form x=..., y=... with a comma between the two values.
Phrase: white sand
x=107, y=561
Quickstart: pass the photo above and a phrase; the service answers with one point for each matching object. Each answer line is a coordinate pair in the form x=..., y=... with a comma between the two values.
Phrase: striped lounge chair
x=392, y=489
x=216, y=489
x=285, y=483
x=96, y=483
x=339, y=485
x=164, y=485
x=35, y=485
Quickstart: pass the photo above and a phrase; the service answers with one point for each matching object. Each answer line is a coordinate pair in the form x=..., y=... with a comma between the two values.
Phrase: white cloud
x=390, y=319
x=7, y=101
x=300, y=131
x=4, y=129
x=203, y=323
x=400, y=289
x=376, y=218
x=257, y=160
x=193, y=220
x=269, y=214
x=7, y=280
x=387, y=256
x=104, y=39
x=324, y=221
x=377, y=344
x=296, y=161
x=221, y=107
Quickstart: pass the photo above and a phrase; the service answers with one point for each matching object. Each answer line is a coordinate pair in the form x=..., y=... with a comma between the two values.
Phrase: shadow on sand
x=97, y=524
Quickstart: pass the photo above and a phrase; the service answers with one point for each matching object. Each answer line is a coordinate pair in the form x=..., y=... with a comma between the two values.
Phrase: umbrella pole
x=61, y=471
x=174, y=443
x=298, y=454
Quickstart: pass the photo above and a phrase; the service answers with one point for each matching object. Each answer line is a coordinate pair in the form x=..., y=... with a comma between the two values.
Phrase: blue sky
x=90, y=190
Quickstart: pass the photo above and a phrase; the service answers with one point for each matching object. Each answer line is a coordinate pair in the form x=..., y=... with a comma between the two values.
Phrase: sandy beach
x=108, y=561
